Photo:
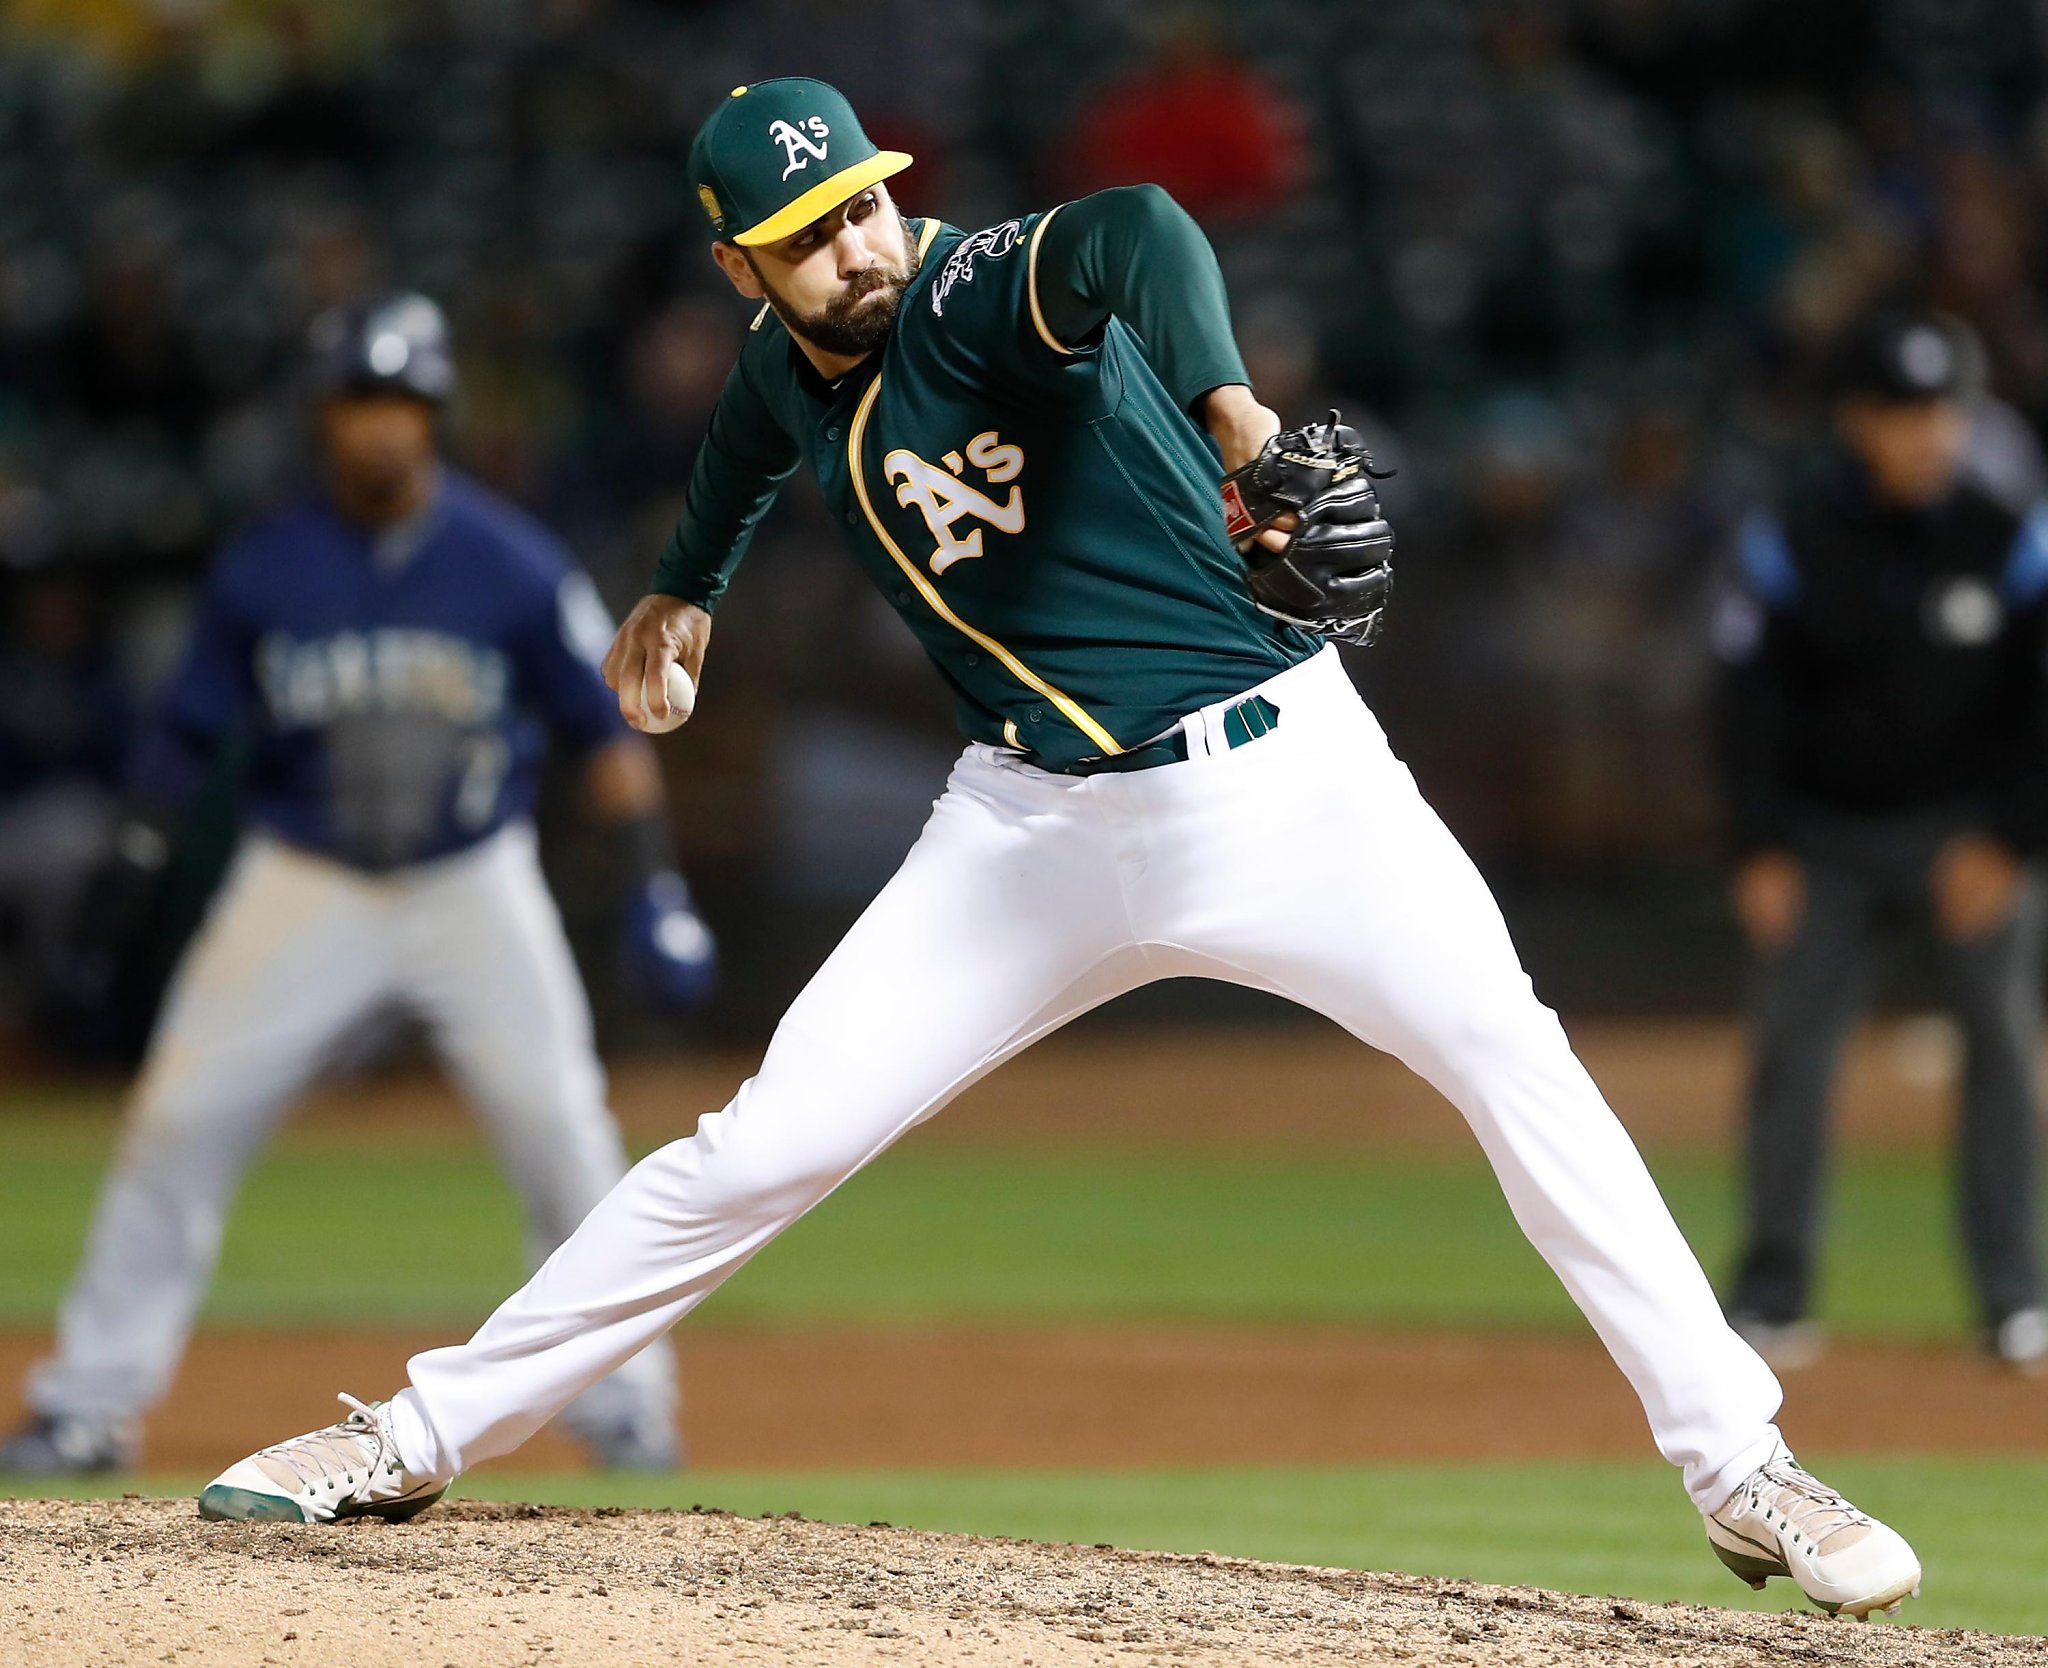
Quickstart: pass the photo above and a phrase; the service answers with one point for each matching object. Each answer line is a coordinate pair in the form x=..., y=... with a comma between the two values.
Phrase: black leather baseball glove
x=1335, y=572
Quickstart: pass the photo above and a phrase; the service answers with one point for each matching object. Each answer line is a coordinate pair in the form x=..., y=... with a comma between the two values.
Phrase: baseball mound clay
x=103, y=1582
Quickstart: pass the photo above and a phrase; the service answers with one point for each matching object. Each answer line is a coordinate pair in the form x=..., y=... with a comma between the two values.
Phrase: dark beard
x=840, y=330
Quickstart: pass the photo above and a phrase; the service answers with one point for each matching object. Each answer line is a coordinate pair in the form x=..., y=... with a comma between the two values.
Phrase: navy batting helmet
x=391, y=344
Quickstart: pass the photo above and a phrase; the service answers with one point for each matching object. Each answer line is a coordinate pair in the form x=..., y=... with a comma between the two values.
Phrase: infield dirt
x=93, y=1583
x=1083, y=1396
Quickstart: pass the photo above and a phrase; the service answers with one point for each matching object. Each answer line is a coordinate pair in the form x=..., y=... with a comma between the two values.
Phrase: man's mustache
x=866, y=283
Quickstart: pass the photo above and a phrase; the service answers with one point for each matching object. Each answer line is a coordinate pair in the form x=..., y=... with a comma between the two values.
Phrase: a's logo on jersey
x=937, y=492
x=994, y=243
x=801, y=142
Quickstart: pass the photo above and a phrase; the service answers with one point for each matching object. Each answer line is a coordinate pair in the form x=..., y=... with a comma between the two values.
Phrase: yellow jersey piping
x=1074, y=712
x=1031, y=286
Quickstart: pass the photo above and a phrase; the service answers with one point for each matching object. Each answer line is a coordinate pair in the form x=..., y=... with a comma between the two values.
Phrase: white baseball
x=682, y=701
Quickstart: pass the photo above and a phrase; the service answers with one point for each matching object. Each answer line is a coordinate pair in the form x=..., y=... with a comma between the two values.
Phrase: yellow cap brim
x=823, y=198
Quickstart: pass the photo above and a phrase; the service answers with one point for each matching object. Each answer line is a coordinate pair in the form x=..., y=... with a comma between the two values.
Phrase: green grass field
x=934, y=1234
x=942, y=1233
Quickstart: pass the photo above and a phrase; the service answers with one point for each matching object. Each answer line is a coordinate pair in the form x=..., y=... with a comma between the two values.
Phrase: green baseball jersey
x=1017, y=470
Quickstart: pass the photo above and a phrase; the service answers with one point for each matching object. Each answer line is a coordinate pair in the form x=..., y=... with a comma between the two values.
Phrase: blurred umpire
x=393, y=650
x=1884, y=727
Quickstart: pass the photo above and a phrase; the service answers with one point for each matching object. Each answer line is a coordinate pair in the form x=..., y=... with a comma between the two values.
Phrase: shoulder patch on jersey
x=1963, y=612
x=991, y=244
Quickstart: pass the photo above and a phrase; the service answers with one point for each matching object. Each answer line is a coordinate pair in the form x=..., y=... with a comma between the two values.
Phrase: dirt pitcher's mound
x=87, y=1583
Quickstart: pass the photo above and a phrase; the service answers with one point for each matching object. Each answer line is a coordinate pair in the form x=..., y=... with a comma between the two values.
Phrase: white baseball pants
x=1305, y=863
x=295, y=954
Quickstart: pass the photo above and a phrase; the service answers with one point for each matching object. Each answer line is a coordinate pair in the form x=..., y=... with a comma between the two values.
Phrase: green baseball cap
x=778, y=154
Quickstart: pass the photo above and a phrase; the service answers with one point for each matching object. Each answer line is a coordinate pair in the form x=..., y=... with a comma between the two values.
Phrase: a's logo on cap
x=798, y=147
x=709, y=199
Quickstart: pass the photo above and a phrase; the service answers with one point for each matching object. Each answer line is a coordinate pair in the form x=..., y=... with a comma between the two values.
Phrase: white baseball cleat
x=1783, y=1521
x=347, y=1470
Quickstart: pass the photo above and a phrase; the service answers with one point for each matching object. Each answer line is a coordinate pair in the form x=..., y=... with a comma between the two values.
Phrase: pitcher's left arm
x=1299, y=506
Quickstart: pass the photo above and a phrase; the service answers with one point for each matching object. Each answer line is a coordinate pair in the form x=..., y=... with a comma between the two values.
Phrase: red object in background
x=1219, y=136
x=926, y=183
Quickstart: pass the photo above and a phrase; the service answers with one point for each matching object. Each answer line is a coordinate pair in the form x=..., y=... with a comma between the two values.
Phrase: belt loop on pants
x=1219, y=728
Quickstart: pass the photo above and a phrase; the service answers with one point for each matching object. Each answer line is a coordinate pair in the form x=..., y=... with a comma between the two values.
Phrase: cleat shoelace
x=1821, y=1513
x=355, y=1446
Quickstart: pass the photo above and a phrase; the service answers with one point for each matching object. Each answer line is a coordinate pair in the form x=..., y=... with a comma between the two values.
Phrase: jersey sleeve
x=559, y=657
x=740, y=467
x=1132, y=252
x=206, y=697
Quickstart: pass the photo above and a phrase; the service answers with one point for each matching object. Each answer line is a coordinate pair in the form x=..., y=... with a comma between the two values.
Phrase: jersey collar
x=927, y=234
x=392, y=548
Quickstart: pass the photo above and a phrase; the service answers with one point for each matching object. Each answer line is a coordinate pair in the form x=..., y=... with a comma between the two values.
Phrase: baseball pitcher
x=397, y=648
x=1167, y=772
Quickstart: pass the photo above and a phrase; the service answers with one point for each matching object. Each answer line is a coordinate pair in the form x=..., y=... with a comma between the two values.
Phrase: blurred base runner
x=295, y=956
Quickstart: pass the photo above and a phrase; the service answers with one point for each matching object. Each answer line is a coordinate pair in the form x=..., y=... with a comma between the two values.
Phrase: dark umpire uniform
x=1886, y=757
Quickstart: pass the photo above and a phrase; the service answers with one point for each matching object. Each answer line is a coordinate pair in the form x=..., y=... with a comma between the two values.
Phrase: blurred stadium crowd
x=1572, y=265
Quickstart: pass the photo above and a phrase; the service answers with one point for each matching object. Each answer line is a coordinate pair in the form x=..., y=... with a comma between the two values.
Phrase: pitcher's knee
x=1478, y=1037
x=732, y=1170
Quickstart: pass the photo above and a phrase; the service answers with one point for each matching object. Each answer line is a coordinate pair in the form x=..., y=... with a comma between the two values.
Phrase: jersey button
x=902, y=593
x=974, y=660
x=1035, y=715
x=853, y=518
x=831, y=434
